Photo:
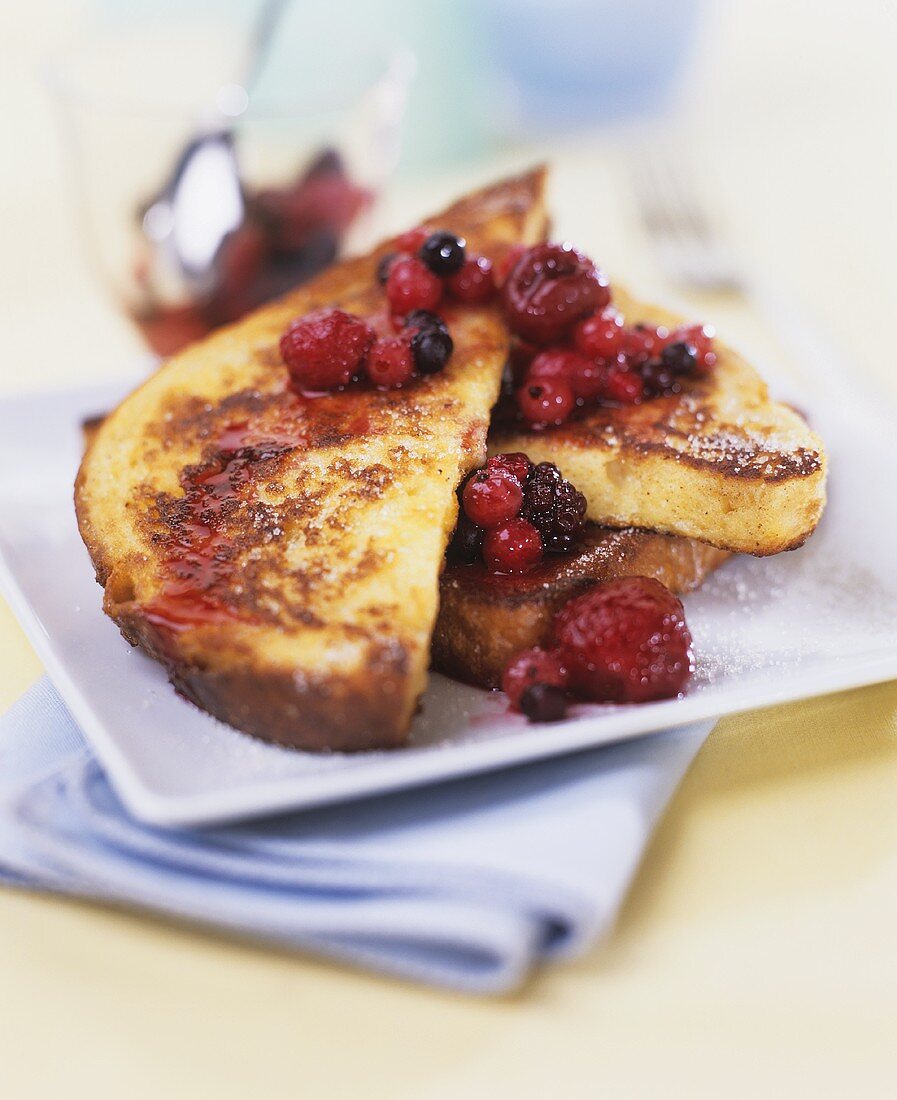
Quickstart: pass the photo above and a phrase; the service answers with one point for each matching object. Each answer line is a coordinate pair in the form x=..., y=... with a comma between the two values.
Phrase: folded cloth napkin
x=469, y=884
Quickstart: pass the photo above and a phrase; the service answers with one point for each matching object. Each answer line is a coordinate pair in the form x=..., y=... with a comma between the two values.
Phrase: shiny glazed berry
x=514, y=547
x=555, y=507
x=530, y=668
x=443, y=253
x=625, y=641
x=598, y=336
x=513, y=462
x=491, y=497
x=431, y=348
x=412, y=239
x=641, y=343
x=384, y=265
x=549, y=289
x=556, y=363
x=467, y=541
x=679, y=358
x=589, y=379
x=624, y=386
x=546, y=402
x=699, y=337
x=390, y=362
x=474, y=283
x=326, y=349
x=411, y=285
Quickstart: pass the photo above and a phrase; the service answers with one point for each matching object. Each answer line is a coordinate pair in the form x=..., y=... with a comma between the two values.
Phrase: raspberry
x=598, y=336
x=555, y=507
x=412, y=239
x=625, y=641
x=515, y=463
x=326, y=349
x=390, y=362
x=411, y=285
x=467, y=541
x=624, y=386
x=491, y=497
x=549, y=289
x=699, y=337
x=534, y=668
x=514, y=547
x=443, y=253
x=474, y=283
x=546, y=401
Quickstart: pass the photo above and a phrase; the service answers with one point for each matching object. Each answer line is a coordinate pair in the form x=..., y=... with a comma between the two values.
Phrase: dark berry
x=549, y=289
x=641, y=343
x=531, y=668
x=443, y=253
x=514, y=547
x=598, y=336
x=491, y=497
x=544, y=703
x=679, y=358
x=390, y=362
x=432, y=348
x=423, y=318
x=699, y=337
x=326, y=349
x=625, y=641
x=384, y=264
x=546, y=402
x=474, y=283
x=515, y=463
x=467, y=541
x=555, y=507
x=658, y=380
x=411, y=285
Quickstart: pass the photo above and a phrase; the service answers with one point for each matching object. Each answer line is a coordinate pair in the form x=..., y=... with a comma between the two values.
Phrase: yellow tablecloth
x=755, y=955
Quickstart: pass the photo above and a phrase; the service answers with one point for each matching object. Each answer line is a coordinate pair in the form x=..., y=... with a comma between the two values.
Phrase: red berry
x=624, y=386
x=390, y=362
x=326, y=349
x=515, y=463
x=589, y=379
x=514, y=547
x=546, y=401
x=411, y=285
x=641, y=343
x=598, y=336
x=625, y=641
x=506, y=264
x=549, y=289
x=474, y=282
x=531, y=667
x=412, y=239
x=700, y=337
x=491, y=497
x=555, y=363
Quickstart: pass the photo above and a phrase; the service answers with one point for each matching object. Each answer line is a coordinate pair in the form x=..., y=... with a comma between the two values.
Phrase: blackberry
x=467, y=541
x=443, y=253
x=431, y=348
x=555, y=507
x=544, y=703
x=383, y=265
x=680, y=358
x=658, y=379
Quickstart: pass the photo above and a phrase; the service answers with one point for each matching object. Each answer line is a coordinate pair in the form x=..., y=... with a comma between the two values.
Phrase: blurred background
x=360, y=115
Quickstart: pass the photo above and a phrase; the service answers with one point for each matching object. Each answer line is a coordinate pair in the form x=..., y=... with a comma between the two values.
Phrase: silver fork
x=693, y=255
x=689, y=249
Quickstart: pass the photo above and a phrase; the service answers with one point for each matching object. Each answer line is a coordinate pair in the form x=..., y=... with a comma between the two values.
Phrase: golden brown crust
x=317, y=525
x=720, y=462
x=485, y=619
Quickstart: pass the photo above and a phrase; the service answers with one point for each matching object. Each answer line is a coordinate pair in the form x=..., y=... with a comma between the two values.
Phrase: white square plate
x=817, y=620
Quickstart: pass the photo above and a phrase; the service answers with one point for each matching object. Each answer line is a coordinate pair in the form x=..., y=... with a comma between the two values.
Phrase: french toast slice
x=280, y=555
x=720, y=462
x=486, y=618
